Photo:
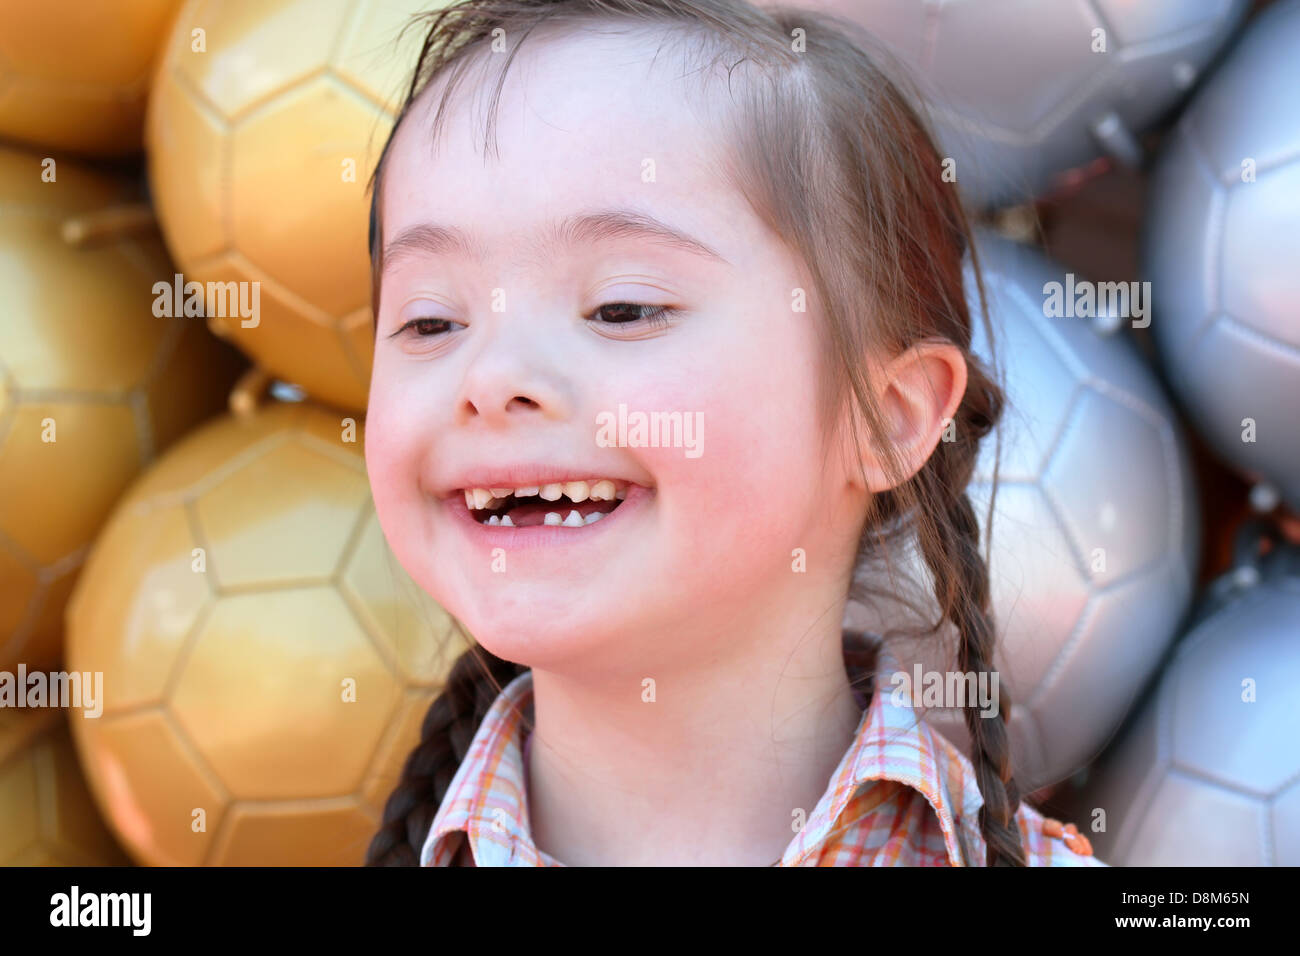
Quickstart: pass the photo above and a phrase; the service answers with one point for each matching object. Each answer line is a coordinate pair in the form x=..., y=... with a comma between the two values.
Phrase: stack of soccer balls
x=183, y=217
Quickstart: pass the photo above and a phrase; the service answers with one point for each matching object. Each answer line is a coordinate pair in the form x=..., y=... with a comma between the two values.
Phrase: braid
x=950, y=545
x=991, y=750
x=448, y=730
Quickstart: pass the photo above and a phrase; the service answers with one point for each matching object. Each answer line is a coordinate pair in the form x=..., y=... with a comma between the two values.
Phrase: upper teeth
x=602, y=489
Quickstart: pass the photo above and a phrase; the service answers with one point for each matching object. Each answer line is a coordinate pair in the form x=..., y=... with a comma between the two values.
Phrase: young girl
x=655, y=368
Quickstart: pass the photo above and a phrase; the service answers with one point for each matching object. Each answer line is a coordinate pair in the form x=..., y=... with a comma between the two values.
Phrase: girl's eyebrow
x=602, y=226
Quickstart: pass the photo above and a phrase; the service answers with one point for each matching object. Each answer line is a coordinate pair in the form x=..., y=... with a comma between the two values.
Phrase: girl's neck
x=716, y=769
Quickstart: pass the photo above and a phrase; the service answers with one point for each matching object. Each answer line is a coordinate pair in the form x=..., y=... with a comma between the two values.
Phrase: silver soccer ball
x=1024, y=89
x=1222, y=252
x=1096, y=537
x=1207, y=771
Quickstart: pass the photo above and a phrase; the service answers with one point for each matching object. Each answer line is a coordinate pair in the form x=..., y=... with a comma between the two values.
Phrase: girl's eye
x=630, y=313
x=616, y=313
x=425, y=328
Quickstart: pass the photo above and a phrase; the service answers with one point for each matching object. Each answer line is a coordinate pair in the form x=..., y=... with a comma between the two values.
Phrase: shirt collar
x=488, y=799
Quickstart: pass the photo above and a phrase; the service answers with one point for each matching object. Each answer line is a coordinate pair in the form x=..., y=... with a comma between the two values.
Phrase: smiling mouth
x=570, y=504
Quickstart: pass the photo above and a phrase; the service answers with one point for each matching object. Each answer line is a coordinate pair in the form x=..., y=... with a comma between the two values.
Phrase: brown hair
x=833, y=149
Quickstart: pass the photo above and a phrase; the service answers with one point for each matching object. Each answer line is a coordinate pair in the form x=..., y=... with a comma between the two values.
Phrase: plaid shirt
x=901, y=796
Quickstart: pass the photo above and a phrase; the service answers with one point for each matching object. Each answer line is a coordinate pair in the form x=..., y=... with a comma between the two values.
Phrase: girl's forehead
x=582, y=98
x=597, y=130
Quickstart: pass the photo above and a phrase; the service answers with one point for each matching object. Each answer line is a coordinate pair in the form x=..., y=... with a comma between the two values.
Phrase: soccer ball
x=1095, y=539
x=1022, y=90
x=266, y=119
x=47, y=816
x=1208, y=771
x=75, y=75
x=92, y=386
x=1221, y=248
x=267, y=663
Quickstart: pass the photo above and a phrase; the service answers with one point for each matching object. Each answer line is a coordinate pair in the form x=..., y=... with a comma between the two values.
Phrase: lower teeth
x=574, y=520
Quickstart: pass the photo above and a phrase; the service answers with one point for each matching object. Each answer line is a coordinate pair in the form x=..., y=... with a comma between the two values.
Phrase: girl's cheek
x=391, y=464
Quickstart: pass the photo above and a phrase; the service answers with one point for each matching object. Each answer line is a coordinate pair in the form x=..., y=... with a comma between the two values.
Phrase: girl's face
x=518, y=314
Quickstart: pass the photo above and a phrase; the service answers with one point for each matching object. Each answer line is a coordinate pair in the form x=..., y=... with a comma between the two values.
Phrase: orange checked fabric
x=901, y=796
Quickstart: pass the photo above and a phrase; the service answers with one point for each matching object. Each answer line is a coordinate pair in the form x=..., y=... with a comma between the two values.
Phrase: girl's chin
x=550, y=646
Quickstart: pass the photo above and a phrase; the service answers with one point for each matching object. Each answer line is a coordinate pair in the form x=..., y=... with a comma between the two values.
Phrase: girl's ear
x=917, y=392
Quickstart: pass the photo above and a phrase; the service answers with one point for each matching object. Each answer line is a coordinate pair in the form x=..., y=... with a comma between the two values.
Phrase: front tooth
x=574, y=520
x=577, y=491
x=552, y=491
x=594, y=517
x=500, y=492
x=524, y=492
x=481, y=497
x=602, y=490
x=552, y=517
x=505, y=521
x=494, y=520
x=469, y=498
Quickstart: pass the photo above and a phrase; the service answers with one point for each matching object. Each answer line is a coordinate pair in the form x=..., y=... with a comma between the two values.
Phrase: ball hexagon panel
x=64, y=86
x=188, y=196
x=1035, y=572
x=250, y=705
x=47, y=816
x=1177, y=834
x=1259, y=71
x=1032, y=423
x=293, y=151
x=254, y=834
x=252, y=51
x=150, y=781
x=1100, y=514
x=1196, y=296
x=1216, y=742
x=61, y=510
x=156, y=616
x=364, y=57
x=1257, y=272
x=1003, y=99
x=261, y=529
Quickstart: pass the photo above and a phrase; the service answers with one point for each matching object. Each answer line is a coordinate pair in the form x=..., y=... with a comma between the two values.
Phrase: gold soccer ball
x=92, y=383
x=47, y=816
x=74, y=75
x=267, y=663
x=266, y=120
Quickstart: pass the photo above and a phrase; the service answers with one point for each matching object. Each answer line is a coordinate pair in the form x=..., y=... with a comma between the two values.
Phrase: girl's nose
x=509, y=375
